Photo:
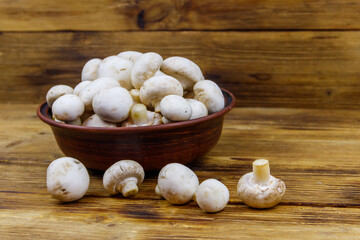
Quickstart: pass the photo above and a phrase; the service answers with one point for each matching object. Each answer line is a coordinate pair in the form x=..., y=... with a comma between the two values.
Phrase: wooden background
x=293, y=65
x=270, y=53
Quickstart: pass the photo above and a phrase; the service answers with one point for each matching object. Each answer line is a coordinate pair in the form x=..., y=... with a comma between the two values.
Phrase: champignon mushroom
x=156, y=88
x=198, y=109
x=123, y=177
x=67, y=179
x=117, y=68
x=140, y=116
x=68, y=107
x=175, y=108
x=57, y=91
x=89, y=71
x=81, y=86
x=135, y=94
x=259, y=189
x=88, y=92
x=209, y=93
x=144, y=68
x=212, y=195
x=177, y=183
x=184, y=70
x=96, y=121
x=133, y=56
x=113, y=105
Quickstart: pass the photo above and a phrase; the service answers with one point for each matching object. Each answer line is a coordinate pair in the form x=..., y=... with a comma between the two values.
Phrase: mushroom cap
x=209, y=93
x=117, y=175
x=57, y=91
x=113, y=104
x=117, y=68
x=184, y=70
x=177, y=183
x=89, y=71
x=96, y=121
x=67, y=179
x=133, y=56
x=175, y=108
x=81, y=86
x=88, y=92
x=68, y=107
x=156, y=88
x=198, y=109
x=258, y=196
x=212, y=195
x=144, y=68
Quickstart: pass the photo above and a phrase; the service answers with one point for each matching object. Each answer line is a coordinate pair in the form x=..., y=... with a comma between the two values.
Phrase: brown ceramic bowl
x=152, y=146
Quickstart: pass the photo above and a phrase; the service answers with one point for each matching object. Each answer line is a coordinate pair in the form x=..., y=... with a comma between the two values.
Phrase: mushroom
x=144, y=68
x=67, y=179
x=133, y=56
x=175, y=108
x=198, y=109
x=81, y=86
x=117, y=68
x=57, y=91
x=68, y=107
x=184, y=70
x=212, y=195
x=156, y=88
x=135, y=94
x=140, y=116
x=88, y=92
x=113, y=104
x=259, y=189
x=177, y=183
x=96, y=121
x=209, y=93
x=89, y=71
x=123, y=177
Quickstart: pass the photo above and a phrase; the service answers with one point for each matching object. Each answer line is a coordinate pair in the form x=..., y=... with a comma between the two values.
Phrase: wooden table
x=315, y=152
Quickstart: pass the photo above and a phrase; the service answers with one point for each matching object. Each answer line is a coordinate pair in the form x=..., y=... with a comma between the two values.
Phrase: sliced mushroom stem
x=138, y=114
x=156, y=105
x=261, y=170
x=129, y=187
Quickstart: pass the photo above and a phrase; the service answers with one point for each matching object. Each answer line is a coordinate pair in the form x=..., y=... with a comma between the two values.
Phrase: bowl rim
x=44, y=107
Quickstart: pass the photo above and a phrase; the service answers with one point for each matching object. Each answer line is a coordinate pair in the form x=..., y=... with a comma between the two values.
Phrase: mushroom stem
x=261, y=170
x=128, y=187
x=138, y=114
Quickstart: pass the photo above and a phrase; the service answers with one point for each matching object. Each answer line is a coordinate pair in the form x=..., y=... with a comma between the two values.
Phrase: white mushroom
x=140, y=116
x=68, y=107
x=198, y=109
x=123, y=177
x=212, y=195
x=57, y=91
x=113, y=104
x=156, y=88
x=175, y=108
x=89, y=71
x=95, y=121
x=135, y=94
x=209, y=93
x=80, y=87
x=117, y=68
x=88, y=92
x=67, y=179
x=144, y=68
x=133, y=56
x=177, y=183
x=259, y=189
x=184, y=70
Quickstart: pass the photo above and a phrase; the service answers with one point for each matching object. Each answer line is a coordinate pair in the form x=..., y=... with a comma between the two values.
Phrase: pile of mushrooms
x=136, y=89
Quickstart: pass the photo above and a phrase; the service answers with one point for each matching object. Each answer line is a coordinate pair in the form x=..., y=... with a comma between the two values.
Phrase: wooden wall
x=269, y=53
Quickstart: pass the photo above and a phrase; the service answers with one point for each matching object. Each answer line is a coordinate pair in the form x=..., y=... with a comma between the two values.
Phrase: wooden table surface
x=315, y=151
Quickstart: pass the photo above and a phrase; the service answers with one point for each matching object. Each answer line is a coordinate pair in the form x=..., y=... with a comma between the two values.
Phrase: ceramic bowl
x=151, y=146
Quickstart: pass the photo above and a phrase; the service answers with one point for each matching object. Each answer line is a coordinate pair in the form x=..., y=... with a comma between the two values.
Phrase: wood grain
x=315, y=152
x=115, y=15
x=263, y=69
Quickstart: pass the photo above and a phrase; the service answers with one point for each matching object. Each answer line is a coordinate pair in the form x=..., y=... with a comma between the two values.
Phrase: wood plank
x=112, y=15
x=263, y=69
